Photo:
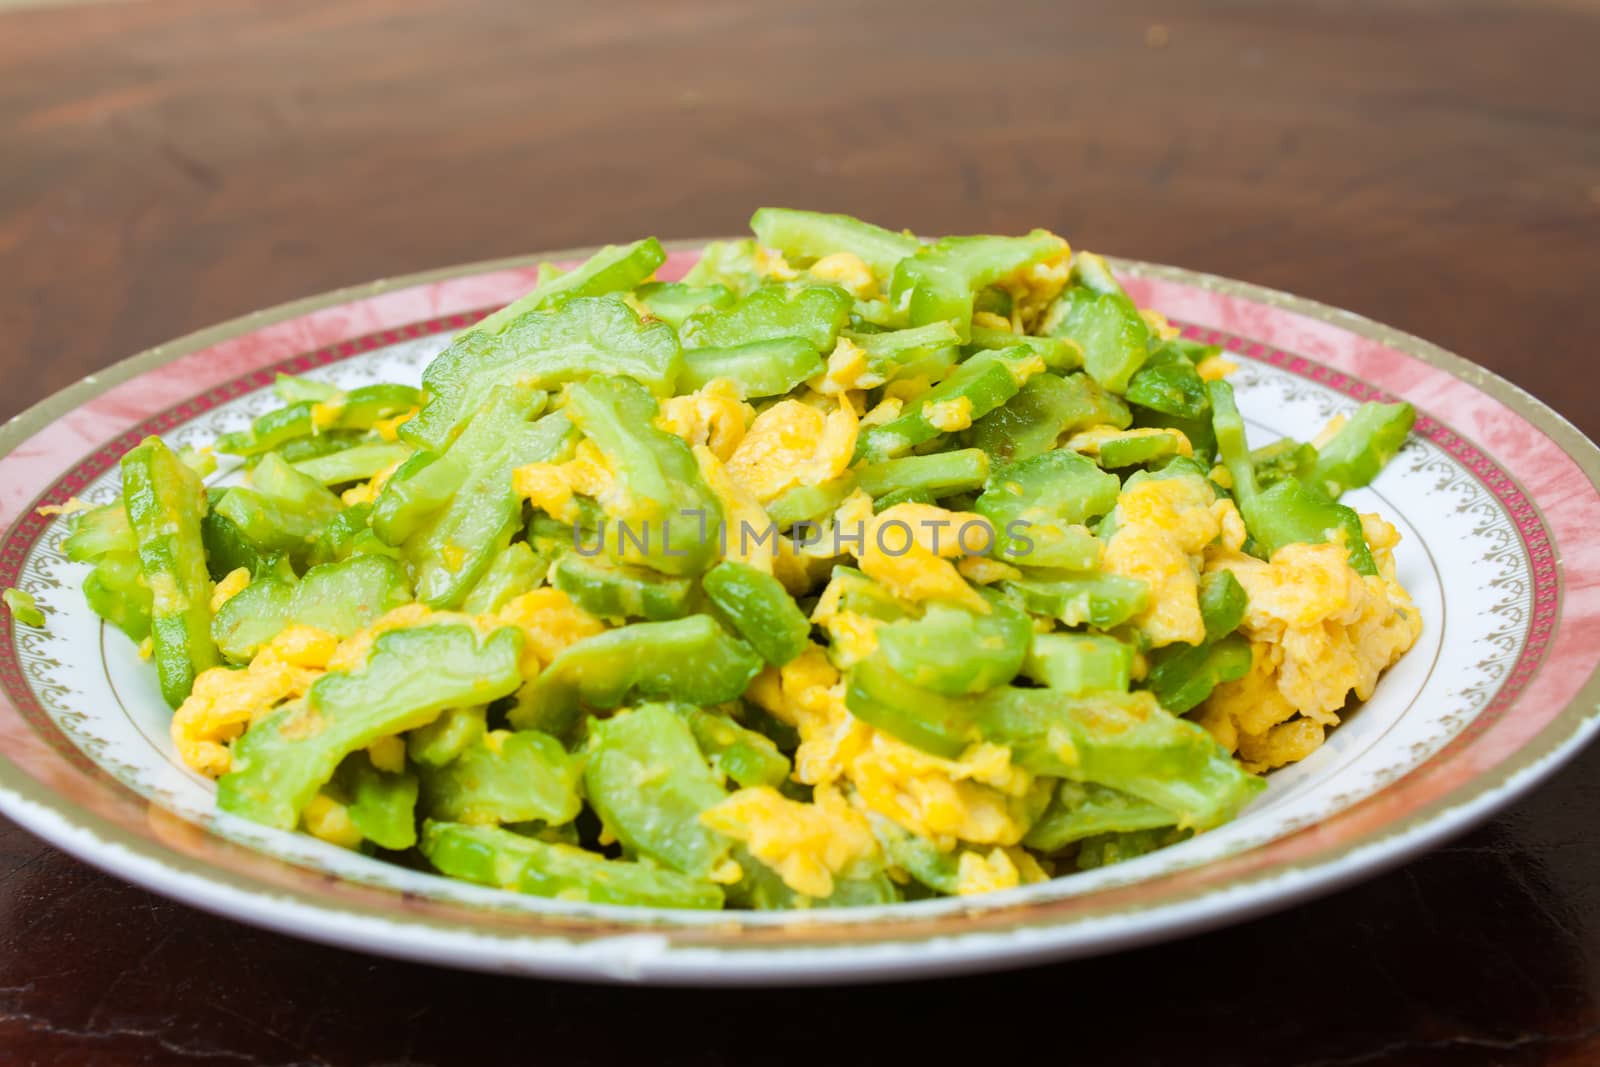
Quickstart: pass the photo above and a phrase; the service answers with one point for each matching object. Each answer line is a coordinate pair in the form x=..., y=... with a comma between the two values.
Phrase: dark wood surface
x=1434, y=164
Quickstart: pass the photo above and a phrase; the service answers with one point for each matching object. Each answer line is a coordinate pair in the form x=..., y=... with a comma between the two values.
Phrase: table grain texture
x=1432, y=164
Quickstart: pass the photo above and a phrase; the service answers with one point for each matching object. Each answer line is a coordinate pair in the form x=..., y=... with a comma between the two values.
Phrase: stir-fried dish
x=847, y=569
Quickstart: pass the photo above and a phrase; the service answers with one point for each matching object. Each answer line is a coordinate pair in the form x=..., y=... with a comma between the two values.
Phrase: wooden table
x=1433, y=164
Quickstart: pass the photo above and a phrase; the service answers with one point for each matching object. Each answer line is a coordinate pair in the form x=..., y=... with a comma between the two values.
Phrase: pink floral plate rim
x=1540, y=468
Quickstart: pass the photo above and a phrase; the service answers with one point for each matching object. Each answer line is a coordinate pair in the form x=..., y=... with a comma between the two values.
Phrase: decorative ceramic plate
x=1495, y=496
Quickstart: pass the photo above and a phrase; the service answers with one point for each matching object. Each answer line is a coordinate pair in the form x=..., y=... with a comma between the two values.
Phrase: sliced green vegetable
x=1082, y=809
x=940, y=282
x=976, y=388
x=116, y=591
x=355, y=464
x=1045, y=408
x=937, y=474
x=494, y=857
x=412, y=675
x=617, y=591
x=583, y=338
x=807, y=236
x=952, y=650
x=757, y=369
x=1362, y=447
x=383, y=806
x=812, y=313
x=503, y=777
x=1181, y=676
x=649, y=783
x=338, y=598
x=166, y=501
x=692, y=660
x=758, y=607
x=1075, y=664
x=673, y=515
x=613, y=269
x=24, y=609
x=515, y=571
x=747, y=758
x=673, y=302
x=1098, y=600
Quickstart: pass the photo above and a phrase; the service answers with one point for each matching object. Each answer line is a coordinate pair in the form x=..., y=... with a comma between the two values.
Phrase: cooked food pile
x=847, y=569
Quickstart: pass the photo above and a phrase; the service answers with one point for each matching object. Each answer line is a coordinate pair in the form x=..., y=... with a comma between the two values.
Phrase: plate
x=1495, y=496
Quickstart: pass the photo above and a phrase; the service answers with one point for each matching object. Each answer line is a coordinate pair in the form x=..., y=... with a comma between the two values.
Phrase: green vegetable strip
x=1075, y=664
x=383, y=806
x=674, y=302
x=1184, y=675
x=412, y=675
x=505, y=777
x=613, y=591
x=1080, y=810
x=515, y=571
x=613, y=269
x=23, y=607
x=504, y=860
x=954, y=651
x=454, y=550
x=1060, y=354
x=813, y=313
x=692, y=660
x=757, y=606
x=337, y=598
x=1125, y=741
x=757, y=369
x=981, y=384
x=355, y=464
x=1362, y=447
x=115, y=590
x=99, y=531
x=1044, y=409
x=166, y=501
x=807, y=236
x=1097, y=316
x=581, y=338
x=359, y=409
x=673, y=516
x=649, y=783
x=747, y=758
x=939, y=282
x=1287, y=512
x=937, y=474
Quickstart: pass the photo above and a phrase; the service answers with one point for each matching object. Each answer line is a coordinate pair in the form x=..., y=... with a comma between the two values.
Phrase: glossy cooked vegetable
x=845, y=569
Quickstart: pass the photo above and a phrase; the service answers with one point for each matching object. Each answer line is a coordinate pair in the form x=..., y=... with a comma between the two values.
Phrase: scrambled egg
x=1089, y=441
x=848, y=371
x=849, y=272
x=790, y=444
x=231, y=585
x=980, y=798
x=744, y=521
x=1000, y=868
x=807, y=844
x=1034, y=288
x=389, y=429
x=224, y=702
x=907, y=548
x=1158, y=324
x=1162, y=526
x=1215, y=368
x=555, y=487
x=949, y=416
x=714, y=417
x=1319, y=631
